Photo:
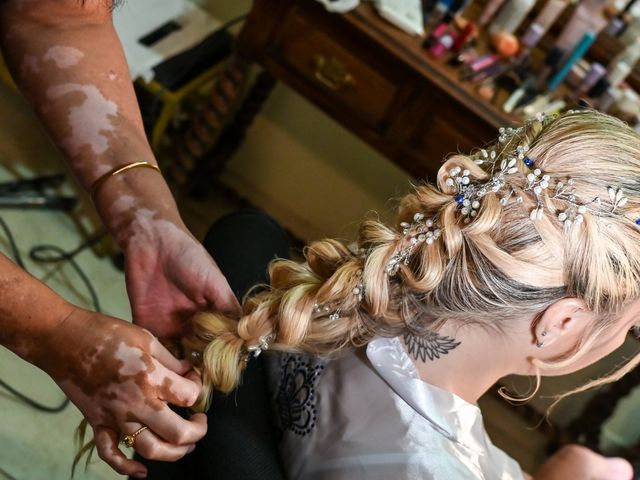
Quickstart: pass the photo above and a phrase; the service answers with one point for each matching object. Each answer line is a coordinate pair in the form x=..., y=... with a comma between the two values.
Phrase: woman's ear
x=566, y=319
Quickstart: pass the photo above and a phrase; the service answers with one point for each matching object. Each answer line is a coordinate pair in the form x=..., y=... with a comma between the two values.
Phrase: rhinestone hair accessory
x=322, y=309
x=419, y=231
x=264, y=342
x=508, y=160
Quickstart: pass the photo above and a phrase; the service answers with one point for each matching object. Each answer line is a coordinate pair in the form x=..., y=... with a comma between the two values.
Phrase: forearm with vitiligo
x=68, y=61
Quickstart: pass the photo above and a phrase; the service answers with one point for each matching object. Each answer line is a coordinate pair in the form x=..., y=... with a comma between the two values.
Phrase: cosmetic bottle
x=593, y=76
x=618, y=73
x=577, y=74
x=576, y=55
x=550, y=66
x=465, y=37
x=517, y=95
x=434, y=37
x=506, y=44
x=630, y=55
x=437, y=14
x=538, y=105
x=627, y=107
x=511, y=16
x=631, y=33
x=587, y=17
x=615, y=27
x=444, y=42
x=549, y=14
x=531, y=38
x=472, y=68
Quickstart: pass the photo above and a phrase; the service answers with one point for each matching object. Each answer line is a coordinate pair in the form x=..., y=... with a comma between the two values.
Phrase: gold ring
x=130, y=440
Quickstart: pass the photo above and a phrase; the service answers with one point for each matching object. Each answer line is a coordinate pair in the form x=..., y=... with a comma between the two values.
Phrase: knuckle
x=149, y=451
x=103, y=455
x=180, y=437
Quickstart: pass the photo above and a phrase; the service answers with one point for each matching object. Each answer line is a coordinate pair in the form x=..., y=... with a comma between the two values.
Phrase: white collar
x=453, y=417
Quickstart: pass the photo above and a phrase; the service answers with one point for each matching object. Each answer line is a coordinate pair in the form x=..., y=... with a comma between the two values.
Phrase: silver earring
x=540, y=344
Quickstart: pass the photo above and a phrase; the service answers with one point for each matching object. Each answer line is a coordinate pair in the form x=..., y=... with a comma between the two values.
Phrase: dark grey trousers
x=240, y=442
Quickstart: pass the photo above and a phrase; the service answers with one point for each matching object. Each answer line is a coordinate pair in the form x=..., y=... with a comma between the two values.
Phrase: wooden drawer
x=325, y=62
x=446, y=127
x=372, y=78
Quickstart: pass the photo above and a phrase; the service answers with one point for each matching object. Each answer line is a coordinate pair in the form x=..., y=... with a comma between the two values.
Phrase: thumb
x=579, y=463
x=220, y=296
x=613, y=469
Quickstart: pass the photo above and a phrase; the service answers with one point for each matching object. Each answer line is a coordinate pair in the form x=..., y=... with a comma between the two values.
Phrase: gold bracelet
x=115, y=171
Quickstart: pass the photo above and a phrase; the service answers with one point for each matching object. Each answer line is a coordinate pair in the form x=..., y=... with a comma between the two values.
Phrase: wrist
x=30, y=334
x=131, y=203
x=50, y=339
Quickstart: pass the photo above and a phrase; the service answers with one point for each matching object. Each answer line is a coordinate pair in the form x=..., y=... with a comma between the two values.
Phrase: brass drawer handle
x=332, y=73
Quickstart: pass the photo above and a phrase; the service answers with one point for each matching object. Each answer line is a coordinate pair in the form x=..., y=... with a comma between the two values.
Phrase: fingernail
x=191, y=448
x=619, y=469
x=140, y=475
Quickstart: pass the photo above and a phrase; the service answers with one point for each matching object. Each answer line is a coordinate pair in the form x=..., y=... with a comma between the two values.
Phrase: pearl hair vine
x=507, y=161
x=499, y=162
x=322, y=309
x=420, y=231
x=254, y=350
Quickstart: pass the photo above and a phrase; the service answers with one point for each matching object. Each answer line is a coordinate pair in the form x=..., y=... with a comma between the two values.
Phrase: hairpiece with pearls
x=419, y=231
x=469, y=195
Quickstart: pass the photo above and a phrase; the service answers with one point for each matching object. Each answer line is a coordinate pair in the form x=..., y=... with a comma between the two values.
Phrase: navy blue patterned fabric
x=296, y=399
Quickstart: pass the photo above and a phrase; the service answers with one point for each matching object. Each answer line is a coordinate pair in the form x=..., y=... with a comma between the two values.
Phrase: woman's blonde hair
x=498, y=268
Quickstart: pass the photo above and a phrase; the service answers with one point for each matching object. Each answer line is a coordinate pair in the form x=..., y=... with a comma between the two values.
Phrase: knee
x=249, y=228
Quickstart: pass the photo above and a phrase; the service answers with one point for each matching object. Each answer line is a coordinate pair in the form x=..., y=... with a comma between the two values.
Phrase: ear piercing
x=540, y=343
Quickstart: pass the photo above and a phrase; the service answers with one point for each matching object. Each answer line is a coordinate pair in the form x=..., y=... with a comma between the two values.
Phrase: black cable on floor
x=5, y=474
x=49, y=254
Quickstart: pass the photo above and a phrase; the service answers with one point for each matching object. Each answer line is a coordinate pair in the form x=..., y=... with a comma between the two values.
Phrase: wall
x=304, y=168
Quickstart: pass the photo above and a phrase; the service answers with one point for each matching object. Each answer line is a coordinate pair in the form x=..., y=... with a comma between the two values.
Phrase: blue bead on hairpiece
x=638, y=221
x=528, y=162
x=460, y=199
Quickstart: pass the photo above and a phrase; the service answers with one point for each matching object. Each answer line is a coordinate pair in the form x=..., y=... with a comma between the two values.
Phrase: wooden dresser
x=372, y=78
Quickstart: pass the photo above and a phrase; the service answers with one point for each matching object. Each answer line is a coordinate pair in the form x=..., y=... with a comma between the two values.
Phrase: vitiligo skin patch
x=90, y=121
x=64, y=57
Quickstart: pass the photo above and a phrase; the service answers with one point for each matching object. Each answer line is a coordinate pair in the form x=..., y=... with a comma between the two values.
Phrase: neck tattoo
x=430, y=345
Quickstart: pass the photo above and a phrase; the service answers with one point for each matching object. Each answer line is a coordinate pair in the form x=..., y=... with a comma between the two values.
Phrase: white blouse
x=368, y=415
